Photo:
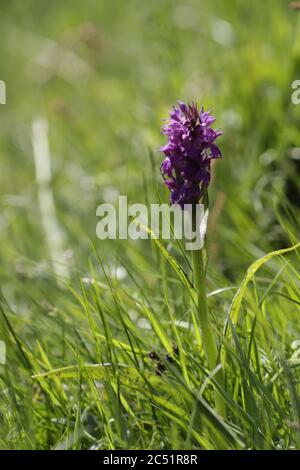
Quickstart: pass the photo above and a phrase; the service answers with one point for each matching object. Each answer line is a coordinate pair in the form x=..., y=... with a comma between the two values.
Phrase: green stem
x=208, y=339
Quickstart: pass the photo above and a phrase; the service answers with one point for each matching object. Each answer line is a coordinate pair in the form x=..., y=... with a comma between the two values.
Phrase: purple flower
x=188, y=153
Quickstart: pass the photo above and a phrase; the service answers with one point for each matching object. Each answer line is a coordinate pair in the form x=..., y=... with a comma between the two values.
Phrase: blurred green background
x=104, y=74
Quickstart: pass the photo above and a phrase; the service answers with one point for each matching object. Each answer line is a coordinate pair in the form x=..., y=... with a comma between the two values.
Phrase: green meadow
x=102, y=338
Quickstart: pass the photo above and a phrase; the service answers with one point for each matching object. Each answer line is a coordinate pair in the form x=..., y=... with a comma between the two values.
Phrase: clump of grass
x=129, y=371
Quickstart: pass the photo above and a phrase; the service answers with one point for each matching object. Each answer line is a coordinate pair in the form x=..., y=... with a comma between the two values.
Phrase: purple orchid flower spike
x=186, y=170
x=191, y=146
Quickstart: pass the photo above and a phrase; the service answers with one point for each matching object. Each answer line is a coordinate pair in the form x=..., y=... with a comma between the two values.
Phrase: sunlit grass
x=113, y=358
